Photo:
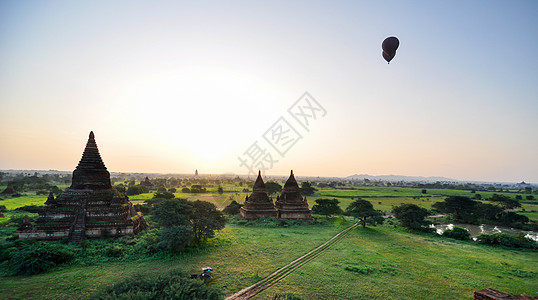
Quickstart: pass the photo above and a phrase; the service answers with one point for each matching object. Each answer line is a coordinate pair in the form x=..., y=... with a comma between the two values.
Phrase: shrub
x=38, y=257
x=186, y=190
x=506, y=240
x=164, y=195
x=457, y=233
x=29, y=208
x=175, y=285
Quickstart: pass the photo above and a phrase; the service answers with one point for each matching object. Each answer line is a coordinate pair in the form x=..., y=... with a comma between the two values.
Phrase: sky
x=219, y=86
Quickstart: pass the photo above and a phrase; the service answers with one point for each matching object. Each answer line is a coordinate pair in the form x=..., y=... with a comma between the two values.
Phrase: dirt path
x=279, y=274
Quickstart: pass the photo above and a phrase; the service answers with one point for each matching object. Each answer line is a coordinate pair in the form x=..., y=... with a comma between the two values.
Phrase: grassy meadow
x=374, y=263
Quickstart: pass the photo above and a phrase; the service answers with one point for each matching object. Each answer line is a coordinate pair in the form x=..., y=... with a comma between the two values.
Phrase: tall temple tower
x=291, y=204
x=258, y=205
x=89, y=208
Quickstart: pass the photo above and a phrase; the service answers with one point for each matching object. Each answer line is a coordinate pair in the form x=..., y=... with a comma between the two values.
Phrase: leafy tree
x=233, y=208
x=518, y=197
x=175, y=238
x=169, y=213
x=424, y=191
x=489, y=211
x=164, y=195
x=504, y=201
x=272, y=187
x=529, y=197
x=137, y=190
x=220, y=190
x=172, y=190
x=186, y=190
x=205, y=219
x=364, y=211
x=161, y=189
x=411, y=216
x=327, y=207
x=307, y=189
x=478, y=197
x=460, y=206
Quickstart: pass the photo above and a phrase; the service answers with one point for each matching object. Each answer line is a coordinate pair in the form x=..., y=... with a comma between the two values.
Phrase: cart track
x=279, y=274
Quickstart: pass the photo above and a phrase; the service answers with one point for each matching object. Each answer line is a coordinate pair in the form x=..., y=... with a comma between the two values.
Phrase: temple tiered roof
x=291, y=204
x=91, y=172
x=258, y=204
x=90, y=208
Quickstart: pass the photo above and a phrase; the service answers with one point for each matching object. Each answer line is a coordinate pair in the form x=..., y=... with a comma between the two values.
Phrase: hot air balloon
x=389, y=46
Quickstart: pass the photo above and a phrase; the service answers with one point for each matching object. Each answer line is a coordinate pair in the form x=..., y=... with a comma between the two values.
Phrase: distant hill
x=399, y=178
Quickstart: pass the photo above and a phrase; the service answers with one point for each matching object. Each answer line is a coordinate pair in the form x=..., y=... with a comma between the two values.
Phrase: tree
x=411, y=216
x=172, y=190
x=137, y=190
x=164, y=195
x=205, y=219
x=272, y=187
x=327, y=207
x=175, y=238
x=489, y=211
x=307, y=189
x=220, y=190
x=461, y=206
x=170, y=212
x=504, y=201
x=364, y=211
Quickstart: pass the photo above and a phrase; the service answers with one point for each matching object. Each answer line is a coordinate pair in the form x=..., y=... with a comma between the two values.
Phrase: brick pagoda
x=89, y=208
x=291, y=204
x=258, y=204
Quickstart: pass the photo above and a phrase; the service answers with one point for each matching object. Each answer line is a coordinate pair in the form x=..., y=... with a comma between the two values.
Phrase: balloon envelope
x=388, y=57
x=390, y=45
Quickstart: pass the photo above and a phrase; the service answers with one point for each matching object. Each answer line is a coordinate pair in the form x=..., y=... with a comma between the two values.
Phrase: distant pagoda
x=147, y=183
x=258, y=204
x=9, y=189
x=291, y=204
x=89, y=208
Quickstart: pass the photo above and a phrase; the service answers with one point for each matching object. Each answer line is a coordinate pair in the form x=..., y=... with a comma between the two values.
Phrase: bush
x=186, y=190
x=507, y=240
x=172, y=190
x=529, y=197
x=29, y=208
x=164, y=195
x=35, y=258
x=175, y=285
x=457, y=233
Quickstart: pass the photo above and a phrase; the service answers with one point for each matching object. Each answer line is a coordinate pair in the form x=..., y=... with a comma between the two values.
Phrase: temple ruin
x=9, y=189
x=258, y=205
x=289, y=205
x=89, y=208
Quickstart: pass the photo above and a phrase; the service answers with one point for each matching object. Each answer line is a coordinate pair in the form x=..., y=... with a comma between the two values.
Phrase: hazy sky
x=170, y=86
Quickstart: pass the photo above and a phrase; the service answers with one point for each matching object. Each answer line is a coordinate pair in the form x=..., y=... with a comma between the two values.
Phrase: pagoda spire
x=259, y=185
x=91, y=172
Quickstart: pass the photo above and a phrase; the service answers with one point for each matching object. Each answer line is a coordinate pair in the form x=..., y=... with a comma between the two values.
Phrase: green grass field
x=389, y=263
